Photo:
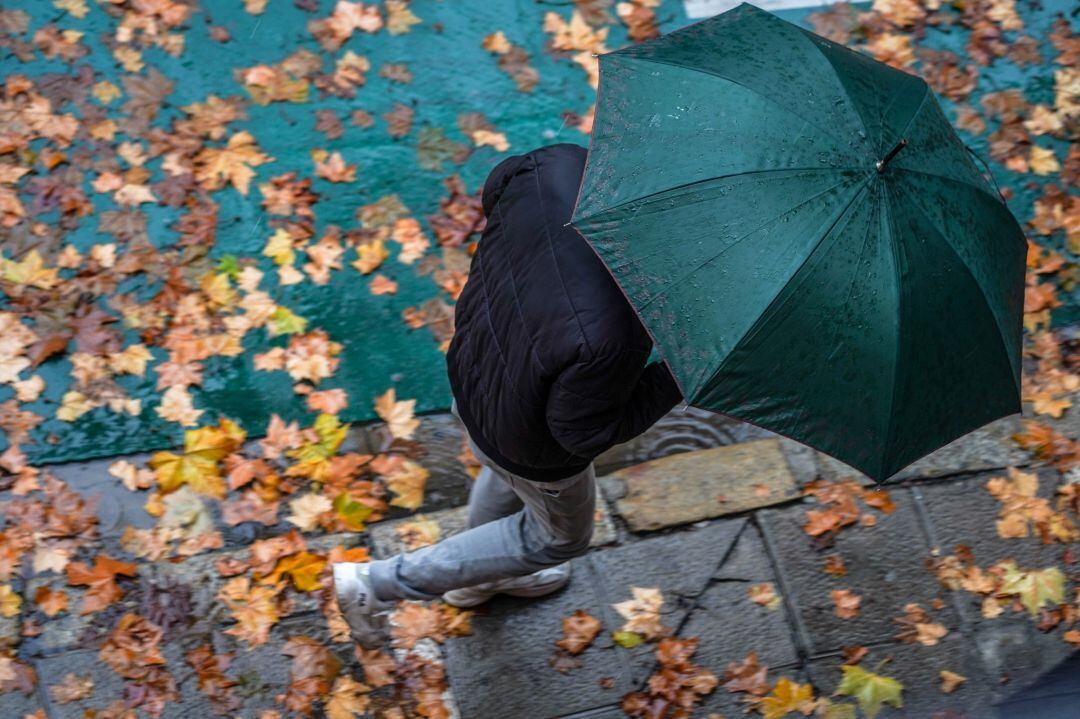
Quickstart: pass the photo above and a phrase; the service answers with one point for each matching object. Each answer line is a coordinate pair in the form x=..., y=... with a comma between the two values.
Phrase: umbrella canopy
x=806, y=238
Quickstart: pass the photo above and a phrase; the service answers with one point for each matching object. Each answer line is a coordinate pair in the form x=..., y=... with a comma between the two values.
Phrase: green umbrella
x=806, y=238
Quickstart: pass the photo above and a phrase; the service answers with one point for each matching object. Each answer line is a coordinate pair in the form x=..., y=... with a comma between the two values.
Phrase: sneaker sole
x=535, y=591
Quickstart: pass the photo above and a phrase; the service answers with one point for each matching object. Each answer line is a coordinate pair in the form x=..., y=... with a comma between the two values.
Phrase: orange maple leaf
x=101, y=580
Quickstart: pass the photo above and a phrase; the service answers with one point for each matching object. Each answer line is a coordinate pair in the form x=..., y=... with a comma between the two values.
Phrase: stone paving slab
x=262, y=672
x=199, y=572
x=117, y=506
x=989, y=447
x=732, y=705
x=680, y=565
x=386, y=541
x=507, y=655
x=918, y=667
x=964, y=512
x=886, y=567
x=730, y=626
x=502, y=669
x=16, y=705
x=611, y=712
x=692, y=486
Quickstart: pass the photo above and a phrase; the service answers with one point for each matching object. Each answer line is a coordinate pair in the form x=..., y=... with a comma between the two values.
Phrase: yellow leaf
x=129, y=58
x=764, y=594
x=72, y=406
x=280, y=247
x=642, y=613
x=218, y=289
x=176, y=407
x=198, y=466
x=10, y=602
x=106, y=92
x=496, y=43
x=495, y=139
x=77, y=8
x=399, y=18
x=313, y=457
x=30, y=270
x=370, y=255
x=1042, y=161
x=787, y=697
x=303, y=568
x=574, y=35
x=284, y=322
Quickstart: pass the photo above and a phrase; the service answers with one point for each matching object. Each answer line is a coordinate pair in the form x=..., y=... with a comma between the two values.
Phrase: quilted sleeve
x=605, y=400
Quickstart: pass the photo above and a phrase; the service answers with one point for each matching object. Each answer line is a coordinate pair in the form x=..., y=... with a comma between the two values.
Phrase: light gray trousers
x=516, y=527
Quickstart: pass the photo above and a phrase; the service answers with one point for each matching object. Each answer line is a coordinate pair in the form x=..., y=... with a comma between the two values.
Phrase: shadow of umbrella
x=1054, y=695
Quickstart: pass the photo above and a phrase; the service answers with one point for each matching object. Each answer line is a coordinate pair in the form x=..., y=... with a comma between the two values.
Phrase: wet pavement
x=703, y=555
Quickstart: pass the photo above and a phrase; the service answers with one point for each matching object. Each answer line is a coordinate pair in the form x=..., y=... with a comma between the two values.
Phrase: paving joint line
x=803, y=643
x=694, y=599
x=599, y=589
x=926, y=524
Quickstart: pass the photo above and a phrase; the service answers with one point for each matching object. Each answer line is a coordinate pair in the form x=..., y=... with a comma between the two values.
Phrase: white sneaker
x=536, y=584
x=366, y=614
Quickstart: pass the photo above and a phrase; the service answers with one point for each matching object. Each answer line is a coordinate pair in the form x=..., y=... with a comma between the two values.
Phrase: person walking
x=548, y=368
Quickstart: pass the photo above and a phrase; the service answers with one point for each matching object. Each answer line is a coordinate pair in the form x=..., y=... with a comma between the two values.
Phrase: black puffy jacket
x=548, y=360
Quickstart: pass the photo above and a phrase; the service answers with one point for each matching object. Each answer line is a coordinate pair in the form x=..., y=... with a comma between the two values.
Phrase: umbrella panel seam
x=763, y=317
x=913, y=202
x=703, y=71
x=716, y=256
x=945, y=178
x=652, y=196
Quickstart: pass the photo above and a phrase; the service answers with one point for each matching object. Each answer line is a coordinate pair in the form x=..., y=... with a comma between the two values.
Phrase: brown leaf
x=747, y=676
x=311, y=674
x=101, y=580
x=210, y=669
x=579, y=631
x=846, y=603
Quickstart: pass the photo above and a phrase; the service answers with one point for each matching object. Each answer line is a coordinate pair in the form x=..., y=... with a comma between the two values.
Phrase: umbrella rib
x=918, y=111
x=913, y=202
x=836, y=74
x=887, y=207
x=694, y=183
x=954, y=181
x=760, y=322
x=707, y=260
x=736, y=82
